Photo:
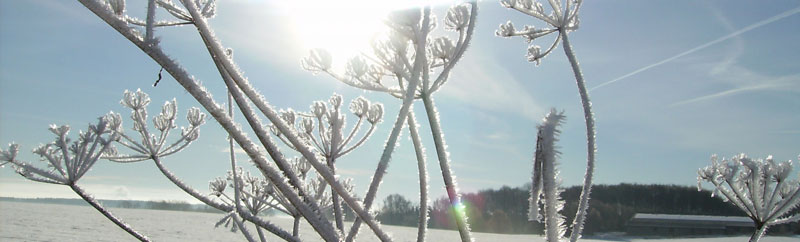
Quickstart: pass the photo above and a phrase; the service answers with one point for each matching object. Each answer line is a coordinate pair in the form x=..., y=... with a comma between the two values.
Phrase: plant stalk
x=86, y=197
x=583, y=204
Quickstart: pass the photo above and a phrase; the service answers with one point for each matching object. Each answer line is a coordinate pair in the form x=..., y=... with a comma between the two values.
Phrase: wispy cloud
x=725, y=93
x=486, y=85
x=706, y=45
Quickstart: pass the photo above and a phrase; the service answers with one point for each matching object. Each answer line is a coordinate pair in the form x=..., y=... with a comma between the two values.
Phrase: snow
x=49, y=222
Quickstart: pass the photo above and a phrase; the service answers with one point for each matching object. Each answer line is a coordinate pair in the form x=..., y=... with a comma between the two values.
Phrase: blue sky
x=710, y=77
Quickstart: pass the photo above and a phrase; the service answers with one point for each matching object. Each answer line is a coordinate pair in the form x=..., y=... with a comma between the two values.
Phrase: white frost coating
x=562, y=19
x=758, y=187
x=546, y=158
x=419, y=150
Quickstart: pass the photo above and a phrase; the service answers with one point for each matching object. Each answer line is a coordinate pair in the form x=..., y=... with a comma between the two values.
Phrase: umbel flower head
x=758, y=187
x=394, y=55
x=67, y=160
x=330, y=140
x=149, y=144
x=563, y=17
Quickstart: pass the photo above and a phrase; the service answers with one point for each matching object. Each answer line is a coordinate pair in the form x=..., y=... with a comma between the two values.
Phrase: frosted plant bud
x=307, y=125
x=288, y=116
x=217, y=186
x=170, y=109
x=508, y=3
x=319, y=109
x=59, y=130
x=42, y=150
x=118, y=6
x=535, y=54
x=457, y=18
x=537, y=7
x=11, y=153
x=114, y=121
x=317, y=60
x=336, y=101
x=375, y=113
x=135, y=100
x=442, y=48
x=274, y=129
x=359, y=106
x=195, y=117
x=526, y=4
x=406, y=17
x=190, y=134
x=162, y=123
x=303, y=165
x=506, y=30
x=782, y=170
x=357, y=67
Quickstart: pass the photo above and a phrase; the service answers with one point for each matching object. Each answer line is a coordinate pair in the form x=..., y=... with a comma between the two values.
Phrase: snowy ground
x=48, y=222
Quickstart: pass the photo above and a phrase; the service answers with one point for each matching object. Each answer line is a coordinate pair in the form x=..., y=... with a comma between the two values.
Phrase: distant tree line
x=505, y=210
x=174, y=205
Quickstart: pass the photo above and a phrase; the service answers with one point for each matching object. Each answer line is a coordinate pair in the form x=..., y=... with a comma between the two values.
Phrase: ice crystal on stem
x=758, y=187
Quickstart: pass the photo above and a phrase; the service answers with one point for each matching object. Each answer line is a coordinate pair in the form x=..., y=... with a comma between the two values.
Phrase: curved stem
x=88, y=198
x=419, y=150
x=447, y=173
x=583, y=204
x=391, y=143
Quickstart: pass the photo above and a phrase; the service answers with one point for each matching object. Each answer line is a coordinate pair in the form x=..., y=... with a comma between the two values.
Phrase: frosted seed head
x=190, y=134
x=375, y=113
x=442, y=48
x=307, y=125
x=357, y=67
x=505, y=30
x=161, y=123
x=535, y=54
x=170, y=109
x=508, y=3
x=217, y=186
x=336, y=101
x=288, y=116
x=319, y=109
x=113, y=121
x=135, y=100
x=359, y=106
x=318, y=60
x=10, y=154
x=62, y=130
x=457, y=18
x=195, y=117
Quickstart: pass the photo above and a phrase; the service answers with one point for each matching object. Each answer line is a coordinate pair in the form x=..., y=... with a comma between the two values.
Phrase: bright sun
x=343, y=28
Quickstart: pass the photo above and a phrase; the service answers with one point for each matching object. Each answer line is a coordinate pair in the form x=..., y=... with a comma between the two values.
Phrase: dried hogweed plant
x=760, y=188
x=560, y=20
x=68, y=161
x=420, y=65
x=408, y=63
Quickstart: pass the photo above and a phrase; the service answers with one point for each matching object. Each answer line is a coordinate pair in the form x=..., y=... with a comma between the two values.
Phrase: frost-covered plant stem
x=96, y=205
x=419, y=150
x=444, y=163
x=237, y=186
x=337, y=205
x=420, y=41
x=223, y=207
x=204, y=98
x=296, y=226
x=272, y=115
x=583, y=203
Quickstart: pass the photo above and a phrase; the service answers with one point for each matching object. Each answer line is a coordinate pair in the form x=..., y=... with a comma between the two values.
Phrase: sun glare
x=343, y=28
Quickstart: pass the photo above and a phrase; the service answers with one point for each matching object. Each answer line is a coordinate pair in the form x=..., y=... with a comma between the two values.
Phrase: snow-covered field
x=48, y=222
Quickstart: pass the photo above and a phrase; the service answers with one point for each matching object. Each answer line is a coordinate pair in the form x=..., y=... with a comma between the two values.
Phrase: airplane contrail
x=706, y=45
